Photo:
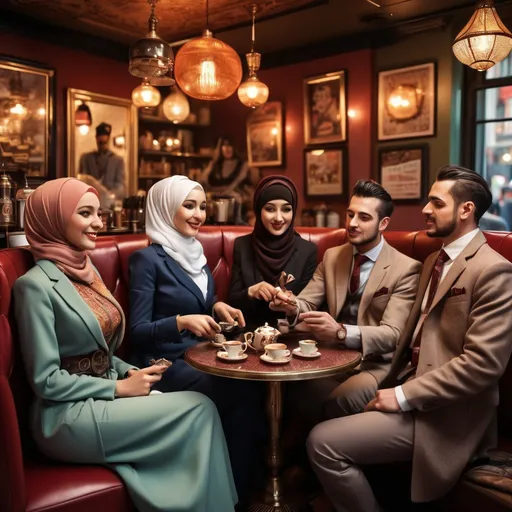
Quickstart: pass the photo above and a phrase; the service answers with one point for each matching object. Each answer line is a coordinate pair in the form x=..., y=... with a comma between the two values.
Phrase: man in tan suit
x=437, y=406
x=369, y=288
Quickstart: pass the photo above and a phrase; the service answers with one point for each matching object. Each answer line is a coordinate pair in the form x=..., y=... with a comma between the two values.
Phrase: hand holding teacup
x=229, y=314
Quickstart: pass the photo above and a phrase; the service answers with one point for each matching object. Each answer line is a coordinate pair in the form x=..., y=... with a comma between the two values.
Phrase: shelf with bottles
x=173, y=154
x=163, y=168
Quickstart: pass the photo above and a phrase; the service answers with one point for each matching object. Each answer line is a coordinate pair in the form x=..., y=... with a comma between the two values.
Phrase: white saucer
x=224, y=356
x=297, y=352
x=268, y=359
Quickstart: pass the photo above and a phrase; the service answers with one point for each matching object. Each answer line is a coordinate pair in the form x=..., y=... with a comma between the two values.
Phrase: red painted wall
x=76, y=69
x=285, y=84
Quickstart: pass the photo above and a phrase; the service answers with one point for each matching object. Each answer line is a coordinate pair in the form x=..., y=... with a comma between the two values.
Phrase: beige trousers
x=336, y=448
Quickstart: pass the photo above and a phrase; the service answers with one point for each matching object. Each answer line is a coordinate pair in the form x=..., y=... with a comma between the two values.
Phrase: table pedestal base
x=273, y=499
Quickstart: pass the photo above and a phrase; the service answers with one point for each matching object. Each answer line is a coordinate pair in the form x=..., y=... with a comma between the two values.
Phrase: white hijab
x=164, y=199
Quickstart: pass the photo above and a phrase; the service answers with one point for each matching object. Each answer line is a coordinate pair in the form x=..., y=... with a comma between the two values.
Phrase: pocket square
x=456, y=291
x=379, y=293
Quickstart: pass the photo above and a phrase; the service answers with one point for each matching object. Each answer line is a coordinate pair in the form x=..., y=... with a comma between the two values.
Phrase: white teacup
x=234, y=348
x=308, y=347
x=277, y=351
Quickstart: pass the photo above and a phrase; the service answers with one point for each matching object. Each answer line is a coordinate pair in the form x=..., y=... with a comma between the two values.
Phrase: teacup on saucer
x=277, y=351
x=308, y=347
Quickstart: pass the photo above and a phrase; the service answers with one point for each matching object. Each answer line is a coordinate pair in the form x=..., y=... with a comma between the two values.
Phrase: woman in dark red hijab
x=273, y=247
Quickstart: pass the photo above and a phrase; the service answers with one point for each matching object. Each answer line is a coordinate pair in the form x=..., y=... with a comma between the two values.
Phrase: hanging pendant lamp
x=145, y=95
x=253, y=93
x=485, y=40
x=176, y=107
x=151, y=57
x=206, y=68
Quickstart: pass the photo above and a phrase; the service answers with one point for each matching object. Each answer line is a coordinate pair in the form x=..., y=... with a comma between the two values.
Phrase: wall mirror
x=102, y=143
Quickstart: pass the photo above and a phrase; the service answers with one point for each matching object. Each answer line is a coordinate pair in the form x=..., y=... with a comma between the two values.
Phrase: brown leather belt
x=95, y=364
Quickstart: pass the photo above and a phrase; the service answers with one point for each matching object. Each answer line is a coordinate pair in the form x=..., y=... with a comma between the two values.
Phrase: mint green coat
x=169, y=449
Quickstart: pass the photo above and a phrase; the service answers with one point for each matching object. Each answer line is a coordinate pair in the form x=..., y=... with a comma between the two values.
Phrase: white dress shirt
x=452, y=250
x=353, y=339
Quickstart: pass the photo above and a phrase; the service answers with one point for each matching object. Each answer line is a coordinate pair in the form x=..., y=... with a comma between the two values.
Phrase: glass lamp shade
x=145, y=95
x=208, y=69
x=253, y=93
x=150, y=57
x=484, y=41
x=176, y=107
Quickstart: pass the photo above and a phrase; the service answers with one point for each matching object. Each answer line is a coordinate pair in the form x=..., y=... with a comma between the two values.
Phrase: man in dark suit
x=437, y=406
x=104, y=166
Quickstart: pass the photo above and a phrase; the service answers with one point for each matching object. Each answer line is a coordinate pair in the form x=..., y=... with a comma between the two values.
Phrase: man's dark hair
x=468, y=186
x=370, y=188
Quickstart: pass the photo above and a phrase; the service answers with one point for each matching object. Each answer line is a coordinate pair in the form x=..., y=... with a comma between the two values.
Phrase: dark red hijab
x=273, y=252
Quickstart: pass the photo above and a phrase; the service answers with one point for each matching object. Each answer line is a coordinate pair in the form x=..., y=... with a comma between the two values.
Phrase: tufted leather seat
x=30, y=482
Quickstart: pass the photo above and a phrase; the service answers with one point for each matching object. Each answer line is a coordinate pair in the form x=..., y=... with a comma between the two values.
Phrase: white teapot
x=261, y=336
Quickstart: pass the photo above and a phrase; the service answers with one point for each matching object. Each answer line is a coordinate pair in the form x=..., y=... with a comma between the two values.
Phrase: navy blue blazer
x=159, y=291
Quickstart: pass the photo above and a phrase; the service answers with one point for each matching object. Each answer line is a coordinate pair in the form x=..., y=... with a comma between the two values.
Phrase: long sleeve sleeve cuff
x=402, y=401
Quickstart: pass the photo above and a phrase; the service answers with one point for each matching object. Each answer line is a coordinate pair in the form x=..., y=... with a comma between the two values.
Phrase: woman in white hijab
x=171, y=301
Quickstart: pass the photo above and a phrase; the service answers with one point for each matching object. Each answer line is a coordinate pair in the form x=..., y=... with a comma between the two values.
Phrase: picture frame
x=325, y=119
x=265, y=135
x=27, y=117
x=403, y=172
x=326, y=172
x=121, y=115
x=407, y=101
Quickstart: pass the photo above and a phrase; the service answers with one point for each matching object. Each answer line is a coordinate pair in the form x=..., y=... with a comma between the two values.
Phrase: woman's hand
x=284, y=301
x=139, y=382
x=262, y=291
x=226, y=313
x=203, y=326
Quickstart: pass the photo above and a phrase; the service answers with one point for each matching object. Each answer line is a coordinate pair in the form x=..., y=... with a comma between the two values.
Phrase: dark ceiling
x=283, y=25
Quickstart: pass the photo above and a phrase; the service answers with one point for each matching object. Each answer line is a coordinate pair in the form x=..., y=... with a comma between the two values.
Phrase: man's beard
x=371, y=238
x=445, y=231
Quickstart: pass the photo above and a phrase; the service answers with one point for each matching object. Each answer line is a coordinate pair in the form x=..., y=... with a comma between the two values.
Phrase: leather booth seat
x=29, y=482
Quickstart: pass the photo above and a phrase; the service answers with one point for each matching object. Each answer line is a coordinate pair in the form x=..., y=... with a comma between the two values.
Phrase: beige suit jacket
x=385, y=304
x=465, y=347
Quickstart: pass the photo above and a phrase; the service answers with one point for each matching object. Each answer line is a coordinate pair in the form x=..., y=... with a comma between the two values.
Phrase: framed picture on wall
x=325, y=172
x=325, y=108
x=265, y=135
x=407, y=102
x=403, y=172
x=27, y=92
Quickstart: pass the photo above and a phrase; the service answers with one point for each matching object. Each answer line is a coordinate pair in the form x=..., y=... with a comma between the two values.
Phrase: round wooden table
x=333, y=360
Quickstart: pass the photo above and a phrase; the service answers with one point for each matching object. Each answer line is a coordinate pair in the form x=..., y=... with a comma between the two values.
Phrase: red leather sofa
x=29, y=482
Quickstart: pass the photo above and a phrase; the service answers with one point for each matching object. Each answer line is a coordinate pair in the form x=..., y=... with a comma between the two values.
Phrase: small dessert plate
x=268, y=359
x=224, y=356
x=297, y=352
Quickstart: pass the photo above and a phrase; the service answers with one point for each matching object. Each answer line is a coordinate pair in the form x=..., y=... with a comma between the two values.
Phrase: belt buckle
x=99, y=362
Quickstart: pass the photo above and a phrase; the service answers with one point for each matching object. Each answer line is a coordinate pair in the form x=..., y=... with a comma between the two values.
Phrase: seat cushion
x=65, y=487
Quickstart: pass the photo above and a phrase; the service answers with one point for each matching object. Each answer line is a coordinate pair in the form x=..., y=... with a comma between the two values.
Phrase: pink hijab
x=47, y=214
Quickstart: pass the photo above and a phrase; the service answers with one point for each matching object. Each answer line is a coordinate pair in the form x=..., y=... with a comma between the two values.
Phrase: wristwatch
x=341, y=334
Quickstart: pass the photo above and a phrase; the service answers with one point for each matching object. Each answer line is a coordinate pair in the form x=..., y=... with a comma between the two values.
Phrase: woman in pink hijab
x=90, y=406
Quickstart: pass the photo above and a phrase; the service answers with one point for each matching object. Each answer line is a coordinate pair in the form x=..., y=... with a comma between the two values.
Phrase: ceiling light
x=253, y=93
x=145, y=95
x=206, y=68
x=485, y=40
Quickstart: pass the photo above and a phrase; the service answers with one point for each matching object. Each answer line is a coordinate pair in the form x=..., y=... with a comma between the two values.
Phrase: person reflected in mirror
x=273, y=247
x=103, y=169
x=90, y=406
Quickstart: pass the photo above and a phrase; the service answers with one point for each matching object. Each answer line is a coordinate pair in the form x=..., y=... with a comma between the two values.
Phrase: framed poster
x=403, y=172
x=407, y=102
x=325, y=108
x=27, y=113
x=325, y=172
x=265, y=135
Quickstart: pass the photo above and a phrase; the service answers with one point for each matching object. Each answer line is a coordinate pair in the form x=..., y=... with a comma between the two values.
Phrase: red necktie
x=437, y=271
x=359, y=259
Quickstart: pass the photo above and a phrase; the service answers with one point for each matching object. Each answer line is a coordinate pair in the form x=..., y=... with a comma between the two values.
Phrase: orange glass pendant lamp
x=206, y=68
